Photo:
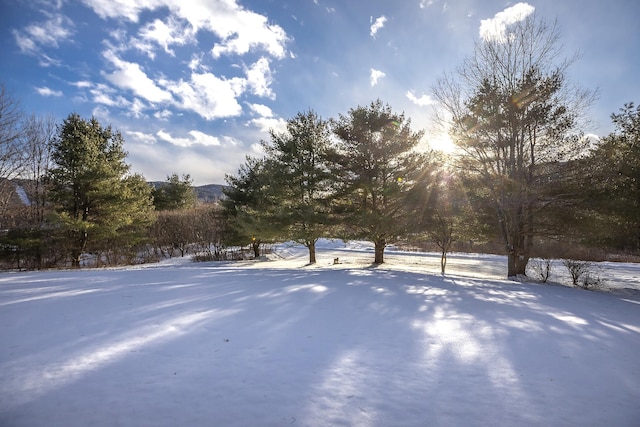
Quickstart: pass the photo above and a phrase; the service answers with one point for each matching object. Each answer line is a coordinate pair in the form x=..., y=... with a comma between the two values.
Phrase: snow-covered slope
x=277, y=343
x=23, y=195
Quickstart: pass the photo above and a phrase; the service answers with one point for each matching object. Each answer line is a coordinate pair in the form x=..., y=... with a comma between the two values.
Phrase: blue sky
x=195, y=85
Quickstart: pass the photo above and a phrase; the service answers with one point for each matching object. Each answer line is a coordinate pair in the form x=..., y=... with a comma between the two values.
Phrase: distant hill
x=209, y=192
x=205, y=193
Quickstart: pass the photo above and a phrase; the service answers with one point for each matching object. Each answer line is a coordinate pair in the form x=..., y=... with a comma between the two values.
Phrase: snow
x=279, y=343
x=23, y=195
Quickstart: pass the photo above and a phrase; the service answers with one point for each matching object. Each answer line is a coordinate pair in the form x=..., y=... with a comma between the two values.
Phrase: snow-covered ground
x=280, y=343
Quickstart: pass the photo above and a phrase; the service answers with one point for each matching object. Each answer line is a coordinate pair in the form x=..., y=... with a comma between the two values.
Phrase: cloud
x=209, y=96
x=242, y=31
x=261, y=110
x=265, y=124
x=82, y=84
x=424, y=100
x=375, y=75
x=494, y=29
x=239, y=29
x=266, y=120
x=259, y=78
x=145, y=138
x=45, y=91
x=49, y=33
x=136, y=109
x=121, y=8
x=165, y=34
x=106, y=95
x=163, y=115
x=195, y=138
x=377, y=25
x=129, y=75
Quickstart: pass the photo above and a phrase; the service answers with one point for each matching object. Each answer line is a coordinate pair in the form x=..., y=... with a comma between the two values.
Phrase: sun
x=442, y=142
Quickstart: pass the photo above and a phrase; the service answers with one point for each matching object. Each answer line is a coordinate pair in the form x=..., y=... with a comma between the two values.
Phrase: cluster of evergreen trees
x=359, y=176
x=523, y=174
x=82, y=199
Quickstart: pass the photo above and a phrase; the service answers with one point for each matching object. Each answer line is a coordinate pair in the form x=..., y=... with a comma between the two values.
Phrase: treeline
x=68, y=199
x=523, y=177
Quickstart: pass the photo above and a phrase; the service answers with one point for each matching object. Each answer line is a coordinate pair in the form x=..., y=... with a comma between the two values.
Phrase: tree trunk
x=380, y=244
x=443, y=261
x=517, y=263
x=312, y=251
x=255, y=245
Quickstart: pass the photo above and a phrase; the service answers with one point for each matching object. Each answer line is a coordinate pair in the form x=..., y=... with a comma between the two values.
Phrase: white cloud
x=121, y=8
x=32, y=39
x=129, y=75
x=136, y=109
x=261, y=110
x=209, y=96
x=259, y=78
x=266, y=120
x=165, y=34
x=424, y=100
x=56, y=29
x=163, y=115
x=195, y=63
x=82, y=84
x=201, y=138
x=377, y=25
x=240, y=30
x=265, y=124
x=45, y=91
x=494, y=29
x=375, y=75
x=145, y=138
x=106, y=95
x=195, y=138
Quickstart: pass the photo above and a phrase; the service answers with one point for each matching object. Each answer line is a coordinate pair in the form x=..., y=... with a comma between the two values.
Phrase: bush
x=541, y=268
x=592, y=281
x=583, y=275
x=577, y=269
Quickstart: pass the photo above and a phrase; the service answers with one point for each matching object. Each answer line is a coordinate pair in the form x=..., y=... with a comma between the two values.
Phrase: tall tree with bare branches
x=11, y=131
x=515, y=116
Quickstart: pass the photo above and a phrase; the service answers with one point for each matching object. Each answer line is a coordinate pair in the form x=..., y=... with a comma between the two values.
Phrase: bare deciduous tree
x=11, y=130
x=514, y=114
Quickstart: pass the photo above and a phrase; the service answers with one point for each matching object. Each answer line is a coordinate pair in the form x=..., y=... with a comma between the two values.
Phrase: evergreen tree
x=376, y=169
x=300, y=185
x=613, y=187
x=90, y=186
x=175, y=193
x=246, y=205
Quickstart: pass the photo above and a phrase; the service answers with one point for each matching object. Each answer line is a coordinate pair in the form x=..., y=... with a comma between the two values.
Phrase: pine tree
x=247, y=204
x=300, y=185
x=613, y=182
x=175, y=193
x=94, y=196
x=376, y=169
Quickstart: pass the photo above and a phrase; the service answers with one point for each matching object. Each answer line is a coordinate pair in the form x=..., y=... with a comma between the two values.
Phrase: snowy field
x=280, y=343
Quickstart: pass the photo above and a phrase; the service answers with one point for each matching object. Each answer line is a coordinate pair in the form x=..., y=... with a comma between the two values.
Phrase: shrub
x=583, y=274
x=541, y=268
